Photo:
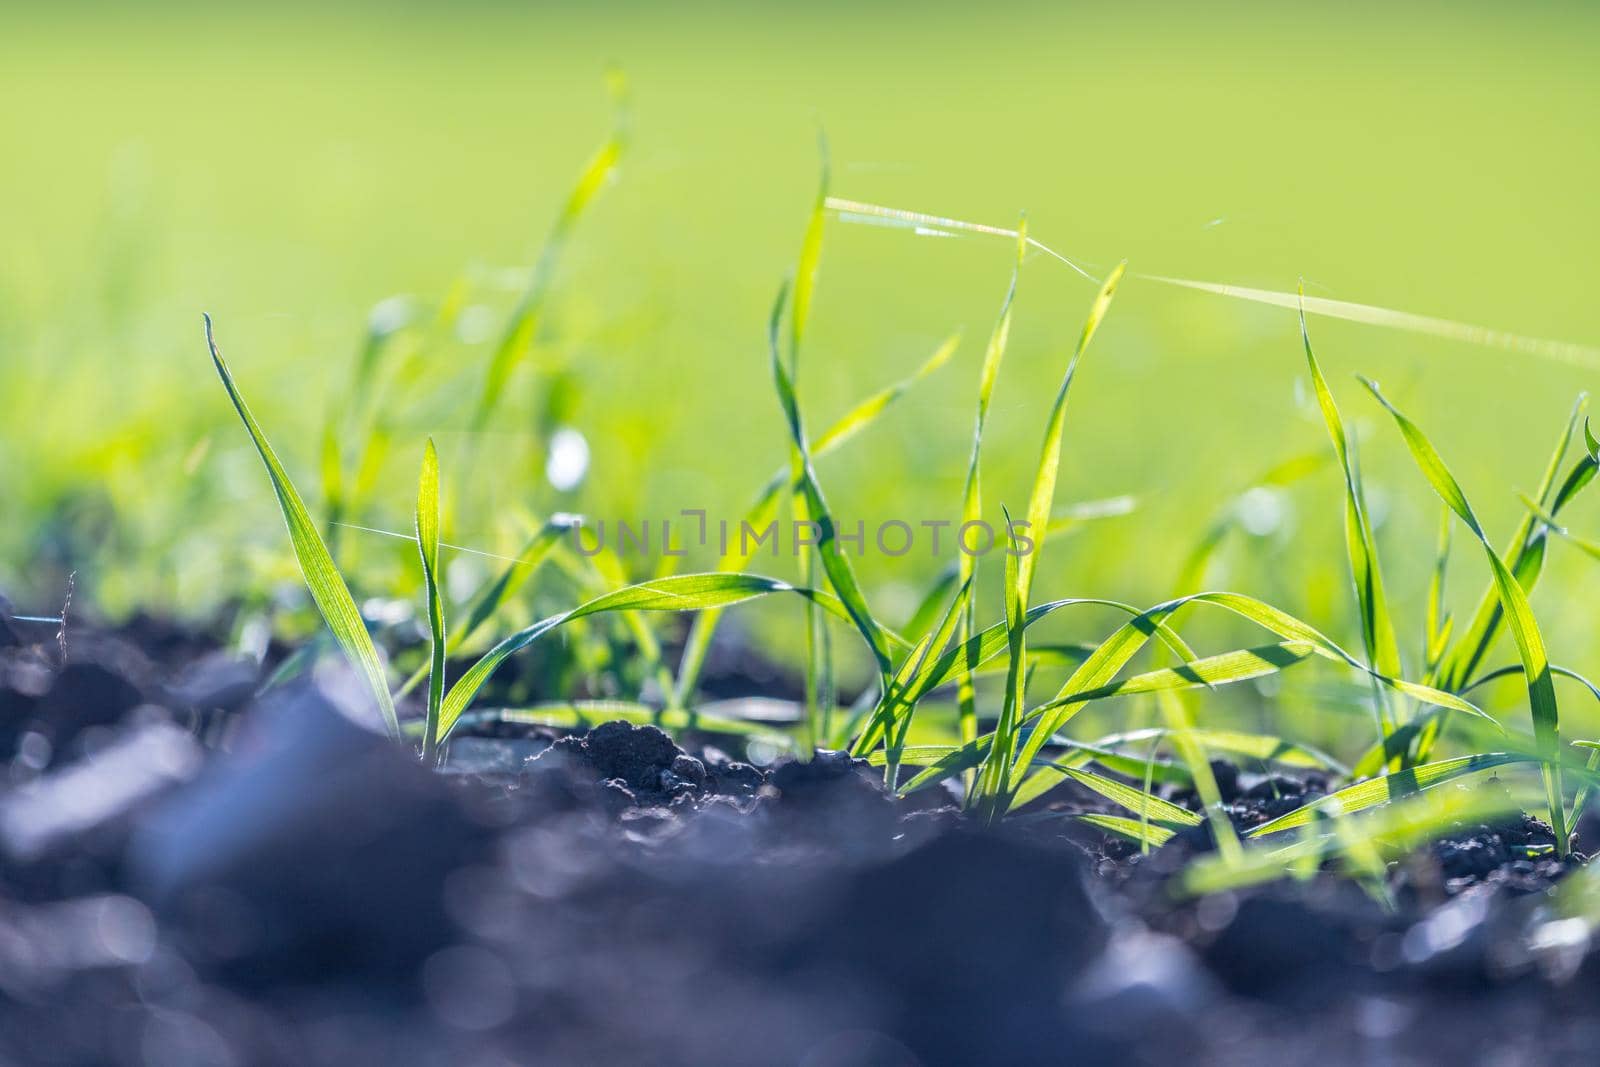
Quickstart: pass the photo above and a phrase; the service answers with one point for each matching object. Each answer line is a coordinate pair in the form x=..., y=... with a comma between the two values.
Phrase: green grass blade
x=523, y=326
x=1146, y=834
x=1374, y=791
x=1586, y=545
x=1518, y=612
x=1101, y=667
x=994, y=776
x=683, y=592
x=1524, y=556
x=322, y=578
x=1398, y=828
x=853, y=422
x=930, y=608
x=840, y=574
x=1226, y=668
x=1042, y=499
x=865, y=413
x=1437, y=626
x=1263, y=748
x=1148, y=808
x=1377, y=624
x=981, y=648
x=428, y=549
x=972, y=491
x=895, y=710
x=506, y=585
x=1586, y=790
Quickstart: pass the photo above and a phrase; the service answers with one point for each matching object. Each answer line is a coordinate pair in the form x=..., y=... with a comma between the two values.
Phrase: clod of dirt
x=319, y=849
x=635, y=755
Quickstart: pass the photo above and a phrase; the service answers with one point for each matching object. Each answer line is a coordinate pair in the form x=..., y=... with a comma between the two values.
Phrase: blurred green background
x=289, y=168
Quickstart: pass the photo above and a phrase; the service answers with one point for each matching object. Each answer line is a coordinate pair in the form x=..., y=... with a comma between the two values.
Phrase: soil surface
x=191, y=874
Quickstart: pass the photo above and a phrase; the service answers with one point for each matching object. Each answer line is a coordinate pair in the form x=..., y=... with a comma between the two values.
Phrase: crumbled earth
x=190, y=874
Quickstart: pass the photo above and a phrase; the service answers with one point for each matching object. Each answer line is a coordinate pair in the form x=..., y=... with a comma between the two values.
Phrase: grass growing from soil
x=1004, y=748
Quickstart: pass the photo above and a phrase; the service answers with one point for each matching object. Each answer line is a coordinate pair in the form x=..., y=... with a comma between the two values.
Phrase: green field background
x=287, y=168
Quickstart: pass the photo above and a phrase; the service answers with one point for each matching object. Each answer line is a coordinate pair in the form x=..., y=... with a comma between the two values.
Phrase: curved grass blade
x=1588, y=547
x=1377, y=624
x=834, y=562
x=1147, y=834
x=1374, y=791
x=322, y=578
x=1398, y=828
x=1518, y=612
x=765, y=507
x=981, y=648
x=428, y=549
x=683, y=592
x=1101, y=667
x=929, y=609
x=1042, y=499
x=1150, y=809
x=1524, y=556
x=506, y=585
x=1586, y=790
x=1264, y=748
x=1225, y=668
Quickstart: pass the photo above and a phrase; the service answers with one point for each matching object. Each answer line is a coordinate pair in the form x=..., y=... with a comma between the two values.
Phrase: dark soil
x=189, y=875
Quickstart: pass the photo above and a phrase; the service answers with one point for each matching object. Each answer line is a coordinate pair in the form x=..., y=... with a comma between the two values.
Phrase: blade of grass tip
x=354, y=415
x=428, y=549
x=997, y=779
x=516, y=573
x=972, y=491
x=1584, y=544
x=524, y=323
x=1590, y=441
x=1524, y=556
x=1519, y=615
x=1042, y=500
x=1377, y=624
x=322, y=578
x=681, y=592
